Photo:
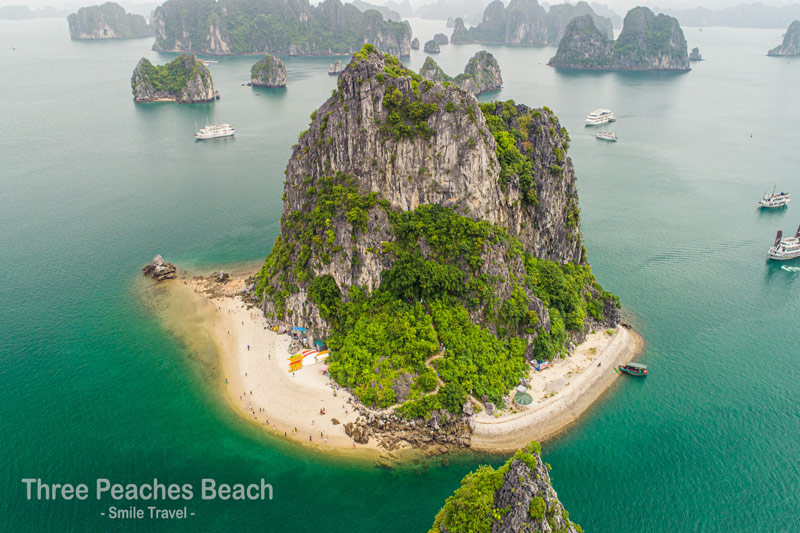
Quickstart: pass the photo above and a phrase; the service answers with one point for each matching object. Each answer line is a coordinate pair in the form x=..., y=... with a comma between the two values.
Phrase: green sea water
x=91, y=385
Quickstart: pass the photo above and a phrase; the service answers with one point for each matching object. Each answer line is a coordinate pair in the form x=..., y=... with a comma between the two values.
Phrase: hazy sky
x=620, y=6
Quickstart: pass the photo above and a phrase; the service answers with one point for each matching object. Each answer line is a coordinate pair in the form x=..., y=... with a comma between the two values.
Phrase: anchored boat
x=773, y=200
x=634, y=369
x=600, y=116
x=212, y=131
x=606, y=136
x=784, y=249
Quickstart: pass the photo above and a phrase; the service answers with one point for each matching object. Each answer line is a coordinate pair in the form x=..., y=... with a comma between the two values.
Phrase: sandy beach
x=254, y=367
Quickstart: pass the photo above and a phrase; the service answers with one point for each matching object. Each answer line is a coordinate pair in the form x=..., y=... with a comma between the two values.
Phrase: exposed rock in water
x=160, y=270
x=415, y=44
x=282, y=27
x=518, y=497
x=184, y=80
x=647, y=42
x=481, y=74
x=695, y=55
x=431, y=47
x=335, y=68
x=107, y=21
x=440, y=39
x=450, y=22
x=268, y=71
x=392, y=432
x=526, y=23
x=791, y=42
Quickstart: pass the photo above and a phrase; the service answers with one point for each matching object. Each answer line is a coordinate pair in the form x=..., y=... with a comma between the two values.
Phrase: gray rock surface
x=269, y=71
x=461, y=172
x=160, y=270
x=791, y=42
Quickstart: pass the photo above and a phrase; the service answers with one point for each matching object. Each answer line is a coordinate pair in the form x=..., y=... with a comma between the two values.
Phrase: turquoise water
x=92, y=187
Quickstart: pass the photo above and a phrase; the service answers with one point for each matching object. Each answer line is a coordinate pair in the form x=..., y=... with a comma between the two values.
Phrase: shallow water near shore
x=93, y=386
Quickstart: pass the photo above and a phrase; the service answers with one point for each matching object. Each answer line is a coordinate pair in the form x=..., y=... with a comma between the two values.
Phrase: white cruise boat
x=775, y=200
x=600, y=116
x=784, y=249
x=604, y=135
x=212, y=131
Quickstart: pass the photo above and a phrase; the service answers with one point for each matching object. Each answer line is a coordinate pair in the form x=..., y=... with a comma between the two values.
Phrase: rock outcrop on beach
x=184, y=80
x=526, y=23
x=269, y=71
x=160, y=270
x=284, y=27
x=392, y=432
x=440, y=39
x=518, y=497
x=415, y=43
x=481, y=74
x=107, y=21
x=431, y=47
x=791, y=42
x=695, y=54
x=647, y=42
x=409, y=207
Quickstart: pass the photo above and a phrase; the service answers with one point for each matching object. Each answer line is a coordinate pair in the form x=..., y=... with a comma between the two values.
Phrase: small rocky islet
x=269, y=71
x=481, y=74
x=517, y=497
x=184, y=80
x=647, y=42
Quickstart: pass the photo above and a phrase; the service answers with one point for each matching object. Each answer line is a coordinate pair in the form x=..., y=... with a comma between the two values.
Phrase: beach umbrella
x=523, y=398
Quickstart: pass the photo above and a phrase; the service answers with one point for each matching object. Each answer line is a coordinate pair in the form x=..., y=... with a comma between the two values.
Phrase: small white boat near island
x=604, y=135
x=772, y=201
x=214, y=131
x=600, y=116
x=785, y=249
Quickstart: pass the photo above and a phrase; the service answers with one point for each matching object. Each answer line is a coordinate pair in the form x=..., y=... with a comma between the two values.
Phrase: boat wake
x=790, y=269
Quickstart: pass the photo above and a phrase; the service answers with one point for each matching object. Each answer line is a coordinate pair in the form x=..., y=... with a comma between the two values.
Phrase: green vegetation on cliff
x=172, y=77
x=107, y=21
x=473, y=507
x=425, y=306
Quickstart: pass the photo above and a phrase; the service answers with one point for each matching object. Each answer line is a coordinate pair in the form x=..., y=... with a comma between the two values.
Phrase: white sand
x=560, y=393
x=262, y=389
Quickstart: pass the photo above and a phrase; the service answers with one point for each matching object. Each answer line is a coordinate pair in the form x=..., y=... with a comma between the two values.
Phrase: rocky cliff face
x=516, y=498
x=284, y=27
x=268, y=71
x=481, y=74
x=184, y=80
x=791, y=42
x=525, y=23
x=412, y=143
x=107, y=21
x=647, y=42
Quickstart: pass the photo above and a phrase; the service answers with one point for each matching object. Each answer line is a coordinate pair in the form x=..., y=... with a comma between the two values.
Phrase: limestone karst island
x=390, y=266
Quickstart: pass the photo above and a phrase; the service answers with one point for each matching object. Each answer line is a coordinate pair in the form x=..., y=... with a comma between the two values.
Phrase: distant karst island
x=269, y=71
x=107, y=21
x=695, y=54
x=184, y=80
x=481, y=74
x=791, y=42
x=284, y=27
x=431, y=47
x=526, y=23
x=647, y=42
